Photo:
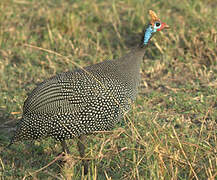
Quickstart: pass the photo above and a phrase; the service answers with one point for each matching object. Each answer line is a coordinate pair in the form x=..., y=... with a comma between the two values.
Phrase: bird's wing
x=61, y=94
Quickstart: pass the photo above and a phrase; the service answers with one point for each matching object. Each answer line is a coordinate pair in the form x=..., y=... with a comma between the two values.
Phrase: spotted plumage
x=80, y=102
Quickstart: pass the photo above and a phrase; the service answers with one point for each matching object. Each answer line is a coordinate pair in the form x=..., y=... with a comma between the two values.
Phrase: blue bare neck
x=148, y=34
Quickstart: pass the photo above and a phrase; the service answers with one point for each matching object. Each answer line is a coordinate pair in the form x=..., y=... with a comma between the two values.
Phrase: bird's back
x=79, y=102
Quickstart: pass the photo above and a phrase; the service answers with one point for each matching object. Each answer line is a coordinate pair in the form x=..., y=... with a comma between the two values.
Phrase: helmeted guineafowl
x=73, y=104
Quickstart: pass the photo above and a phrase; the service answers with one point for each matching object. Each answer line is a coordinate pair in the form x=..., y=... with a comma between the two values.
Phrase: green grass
x=171, y=132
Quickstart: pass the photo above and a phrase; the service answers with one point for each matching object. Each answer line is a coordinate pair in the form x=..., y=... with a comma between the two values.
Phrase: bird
x=77, y=103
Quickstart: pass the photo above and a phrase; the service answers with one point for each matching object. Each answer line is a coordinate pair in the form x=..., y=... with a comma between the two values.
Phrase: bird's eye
x=157, y=24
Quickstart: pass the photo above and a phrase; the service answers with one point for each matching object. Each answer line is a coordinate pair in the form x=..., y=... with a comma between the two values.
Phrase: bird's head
x=155, y=25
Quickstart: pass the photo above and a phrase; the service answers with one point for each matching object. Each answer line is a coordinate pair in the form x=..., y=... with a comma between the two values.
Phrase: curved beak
x=163, y=26
x=166, y=26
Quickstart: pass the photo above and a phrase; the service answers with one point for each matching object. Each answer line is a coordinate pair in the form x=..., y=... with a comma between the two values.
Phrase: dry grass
x=170, y=132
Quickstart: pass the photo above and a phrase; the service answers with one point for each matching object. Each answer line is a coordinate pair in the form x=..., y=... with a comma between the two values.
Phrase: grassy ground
x=171, y=132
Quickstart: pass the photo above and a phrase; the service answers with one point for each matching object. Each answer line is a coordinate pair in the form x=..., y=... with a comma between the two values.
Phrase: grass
x=171, y=131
